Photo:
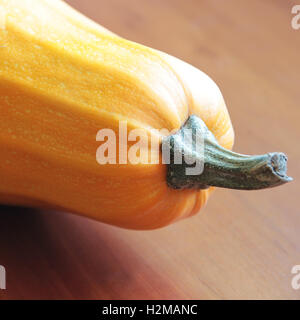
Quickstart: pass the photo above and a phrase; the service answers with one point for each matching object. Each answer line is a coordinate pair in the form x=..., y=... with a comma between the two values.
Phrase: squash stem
x=195, y=160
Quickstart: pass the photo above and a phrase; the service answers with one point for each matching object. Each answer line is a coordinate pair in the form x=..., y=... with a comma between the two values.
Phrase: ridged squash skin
x=63, y=78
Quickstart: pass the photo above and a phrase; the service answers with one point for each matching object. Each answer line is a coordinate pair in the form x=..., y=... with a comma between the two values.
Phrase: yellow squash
x=62, y=79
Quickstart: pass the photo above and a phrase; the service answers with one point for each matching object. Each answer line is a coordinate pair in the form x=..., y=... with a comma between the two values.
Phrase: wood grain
x=243, y=244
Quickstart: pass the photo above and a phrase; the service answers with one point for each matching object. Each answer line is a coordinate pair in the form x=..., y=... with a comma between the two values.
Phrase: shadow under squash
x=52, y=255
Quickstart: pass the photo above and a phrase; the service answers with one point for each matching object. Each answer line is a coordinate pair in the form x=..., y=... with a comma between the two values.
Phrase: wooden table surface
x=243, y=244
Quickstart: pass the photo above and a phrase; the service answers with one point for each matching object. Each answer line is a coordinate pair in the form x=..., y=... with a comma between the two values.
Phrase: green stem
x=220, y=167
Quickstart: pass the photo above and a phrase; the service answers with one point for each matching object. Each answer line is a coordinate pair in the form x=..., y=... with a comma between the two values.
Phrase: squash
x=63, y=78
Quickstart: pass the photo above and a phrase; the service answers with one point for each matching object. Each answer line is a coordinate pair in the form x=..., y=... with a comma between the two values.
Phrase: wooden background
x=243, y=244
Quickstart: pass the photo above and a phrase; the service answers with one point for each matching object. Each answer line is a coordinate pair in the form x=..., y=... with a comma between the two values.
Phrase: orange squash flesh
x=63, y=78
